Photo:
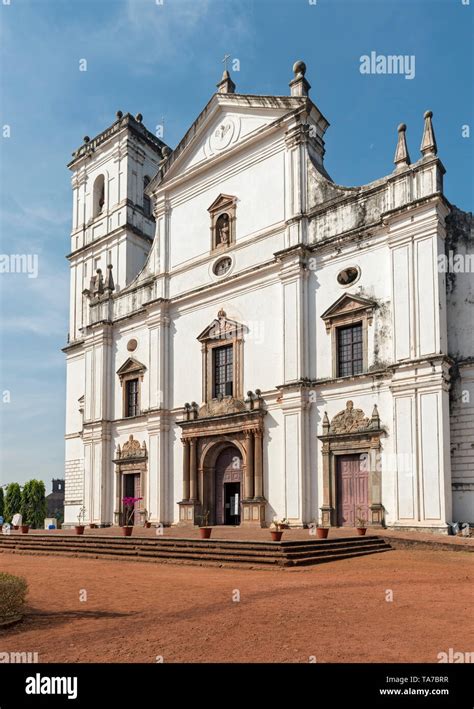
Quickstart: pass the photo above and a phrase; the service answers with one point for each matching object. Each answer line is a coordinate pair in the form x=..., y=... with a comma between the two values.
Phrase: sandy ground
x=337, y=612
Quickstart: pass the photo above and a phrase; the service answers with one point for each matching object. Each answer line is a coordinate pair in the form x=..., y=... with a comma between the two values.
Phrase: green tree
x=12, y=501
x=2, y=502
x=33, y=504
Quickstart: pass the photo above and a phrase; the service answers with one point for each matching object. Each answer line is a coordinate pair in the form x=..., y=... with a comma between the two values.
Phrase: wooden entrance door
x=352, y=490
x=132, y=488
x=228, y=479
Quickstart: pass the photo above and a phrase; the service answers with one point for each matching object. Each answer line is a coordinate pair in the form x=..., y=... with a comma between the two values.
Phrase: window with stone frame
x=347, y=321
x=223, y=371
x=222, y=344
x=350, y=352
x=131, y=375
x=131, y=397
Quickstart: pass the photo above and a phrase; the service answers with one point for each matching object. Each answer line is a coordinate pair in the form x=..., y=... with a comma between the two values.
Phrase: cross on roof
x=226, y=57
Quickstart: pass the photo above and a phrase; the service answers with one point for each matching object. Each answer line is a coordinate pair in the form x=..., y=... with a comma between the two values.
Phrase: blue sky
x=163, y=60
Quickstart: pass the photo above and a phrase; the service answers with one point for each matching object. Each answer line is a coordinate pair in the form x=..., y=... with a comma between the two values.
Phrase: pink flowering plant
x=129, y=507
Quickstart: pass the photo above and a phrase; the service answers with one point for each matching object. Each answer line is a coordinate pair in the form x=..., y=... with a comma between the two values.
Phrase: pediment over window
x=222, y=202
x=222, y=328
x=348, y=308
x=132, y=367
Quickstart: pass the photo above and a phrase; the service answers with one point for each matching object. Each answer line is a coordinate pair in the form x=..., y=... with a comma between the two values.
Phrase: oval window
x=348, y=275
x=222, y=266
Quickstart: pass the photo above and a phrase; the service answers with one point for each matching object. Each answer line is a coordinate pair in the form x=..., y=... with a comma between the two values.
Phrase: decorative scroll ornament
x=132, y=449
x=351, y=421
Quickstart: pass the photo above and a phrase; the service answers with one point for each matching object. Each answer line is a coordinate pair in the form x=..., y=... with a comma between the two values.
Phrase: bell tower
x=112, y=223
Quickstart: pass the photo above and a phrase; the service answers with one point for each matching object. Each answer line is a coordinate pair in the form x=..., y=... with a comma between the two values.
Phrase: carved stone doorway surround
x=207, y=431
x=131, y=458
x=351, y=432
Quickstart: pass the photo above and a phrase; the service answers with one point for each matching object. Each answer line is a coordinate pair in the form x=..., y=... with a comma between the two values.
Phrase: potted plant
x=204, y=529
x=361, y=523
x=80, y=518
x=276, y=529
x=129, y=510
x=322, y=530
x=92, y=525
x=25, y=528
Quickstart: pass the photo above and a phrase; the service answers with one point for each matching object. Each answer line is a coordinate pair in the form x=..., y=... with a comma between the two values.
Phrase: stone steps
x=213, y=551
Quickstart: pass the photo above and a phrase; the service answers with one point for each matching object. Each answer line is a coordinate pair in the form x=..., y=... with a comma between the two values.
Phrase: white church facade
x=250, y=340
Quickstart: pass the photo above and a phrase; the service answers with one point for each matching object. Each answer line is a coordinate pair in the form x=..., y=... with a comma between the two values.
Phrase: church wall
x=462, y=444
x=244, y=256
x=374, y=283
x=459, y=266
x=258, y=307
x=121, y=354
x=259, y=187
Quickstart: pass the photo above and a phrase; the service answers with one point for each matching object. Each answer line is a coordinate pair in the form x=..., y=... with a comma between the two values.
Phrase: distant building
x=55, y=500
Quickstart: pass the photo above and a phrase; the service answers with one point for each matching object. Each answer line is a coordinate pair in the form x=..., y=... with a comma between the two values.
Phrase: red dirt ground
x=337, y=611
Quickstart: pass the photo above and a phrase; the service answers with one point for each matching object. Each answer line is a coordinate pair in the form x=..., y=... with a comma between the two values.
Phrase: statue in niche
x=222, y=230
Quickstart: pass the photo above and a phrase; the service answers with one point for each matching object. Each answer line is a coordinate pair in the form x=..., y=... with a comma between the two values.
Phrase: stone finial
x=401, y=159
x=226, y=85
x=99, y=283
x=119, y=114
x=86, y=139
x=326, y=423
x=428, y=145
x=221, y=314
x=299, y=85
x=375, y=418
x=109, y=281
x=139, y=118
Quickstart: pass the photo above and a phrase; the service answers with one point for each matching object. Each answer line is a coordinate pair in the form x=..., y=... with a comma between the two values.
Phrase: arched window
x=99, y=196
x=146, y=199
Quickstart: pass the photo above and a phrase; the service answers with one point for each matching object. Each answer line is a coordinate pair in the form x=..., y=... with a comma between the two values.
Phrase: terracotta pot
x=322, y=532
x=127, y=531
x=24, y=528
x=205, y=532
x=361, y=531
x=15, y=526
x=147, y=525
x=276, y=536
x=79, y=528
x=93, y=526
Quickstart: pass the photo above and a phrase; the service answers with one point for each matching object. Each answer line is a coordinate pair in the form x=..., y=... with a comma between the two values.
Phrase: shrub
x=1, y=502
x=12, y=501
x=13, y=590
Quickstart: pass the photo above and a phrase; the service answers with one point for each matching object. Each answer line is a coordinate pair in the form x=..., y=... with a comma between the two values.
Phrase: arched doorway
x=228, y=486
